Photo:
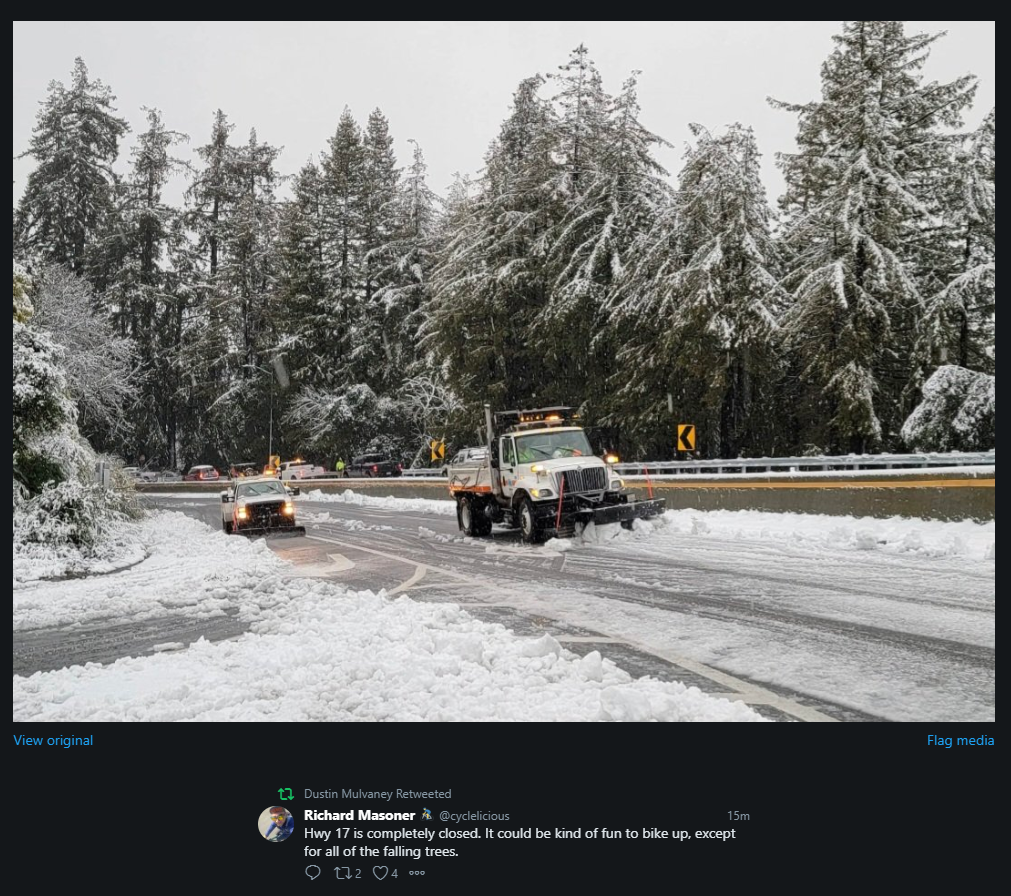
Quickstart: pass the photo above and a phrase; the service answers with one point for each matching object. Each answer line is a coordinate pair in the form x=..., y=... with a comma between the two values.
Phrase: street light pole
x=276, y=370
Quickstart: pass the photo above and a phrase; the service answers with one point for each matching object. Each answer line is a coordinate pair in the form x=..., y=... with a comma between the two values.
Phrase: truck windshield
x=269, y=487
x=554, y=444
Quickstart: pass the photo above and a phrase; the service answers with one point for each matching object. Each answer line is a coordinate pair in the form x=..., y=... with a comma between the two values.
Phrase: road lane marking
x=340, y=562
x=744, y=691
x=419, y=574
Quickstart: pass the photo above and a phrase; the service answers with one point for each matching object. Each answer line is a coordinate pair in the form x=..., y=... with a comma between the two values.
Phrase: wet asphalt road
x=621, y=600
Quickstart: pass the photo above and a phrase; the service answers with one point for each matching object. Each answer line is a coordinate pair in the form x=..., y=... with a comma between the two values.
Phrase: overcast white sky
x=447, y=85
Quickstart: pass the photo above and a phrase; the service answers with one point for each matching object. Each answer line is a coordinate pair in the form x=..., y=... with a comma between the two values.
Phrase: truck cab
x=540, y=461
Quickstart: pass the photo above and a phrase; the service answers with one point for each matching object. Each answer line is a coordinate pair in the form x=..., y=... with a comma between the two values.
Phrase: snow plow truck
x=540, y=476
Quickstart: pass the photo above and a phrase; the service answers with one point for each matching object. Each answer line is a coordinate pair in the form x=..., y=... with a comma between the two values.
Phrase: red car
x=202, y=473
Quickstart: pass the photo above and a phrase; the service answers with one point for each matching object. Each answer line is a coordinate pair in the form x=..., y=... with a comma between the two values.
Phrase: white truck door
x=507, y=465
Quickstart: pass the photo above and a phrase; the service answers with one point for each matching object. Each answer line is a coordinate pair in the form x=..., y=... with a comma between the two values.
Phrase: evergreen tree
x=620, y=187
x=703, y=296
x=960, y=321
x=311, y=330
x=343, y=173
x=69, y=196
x=205, y=339
x=212, y=191
x=245, y=290
x=861, y=192
x=228, y=334
x=583, y=117
x=492, y=279
x=958, y=412
x=137, y=297
x=380, y=177
x=404, y=266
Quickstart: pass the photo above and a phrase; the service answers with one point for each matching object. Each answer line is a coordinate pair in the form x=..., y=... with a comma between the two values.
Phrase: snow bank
x=318, y=652
x=423, y=505
x=190, y=569
x=323, y=655
x=897, y=535
x=121, y=545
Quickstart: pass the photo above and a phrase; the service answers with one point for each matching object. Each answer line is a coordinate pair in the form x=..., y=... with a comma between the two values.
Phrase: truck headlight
x=241, y=513
x=541, y=493
x=288, y=509
x=616, y=485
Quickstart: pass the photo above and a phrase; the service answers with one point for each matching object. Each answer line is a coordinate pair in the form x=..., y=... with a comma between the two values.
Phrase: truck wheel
x=482, y=522
x=227, y=526
x=472, y=519
x=465, y=516
x=530, y=532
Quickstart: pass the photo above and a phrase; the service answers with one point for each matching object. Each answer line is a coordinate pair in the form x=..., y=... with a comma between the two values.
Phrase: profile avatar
x=276, y=824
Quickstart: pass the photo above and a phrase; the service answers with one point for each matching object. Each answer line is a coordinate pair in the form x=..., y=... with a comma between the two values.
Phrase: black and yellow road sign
x=686, y=437
x=438, y=449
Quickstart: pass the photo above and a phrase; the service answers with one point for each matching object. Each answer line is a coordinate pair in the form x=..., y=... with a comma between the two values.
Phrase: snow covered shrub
x=56, y=501
x=40, y=406
x=958, y=412
x=63, y=513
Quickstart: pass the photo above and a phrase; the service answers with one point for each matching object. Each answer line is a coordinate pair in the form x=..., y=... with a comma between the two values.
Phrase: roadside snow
x=313, y=521
x=316, y=651
x=325, y=655
x=191, y=569
x=423, y=505
x=122, y=545
x=897, y=535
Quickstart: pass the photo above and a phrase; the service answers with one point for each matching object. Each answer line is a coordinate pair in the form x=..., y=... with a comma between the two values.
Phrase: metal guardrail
x=808, y=464
x=740, y=465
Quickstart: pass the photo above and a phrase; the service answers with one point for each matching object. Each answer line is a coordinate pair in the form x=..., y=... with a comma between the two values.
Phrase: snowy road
x=835, y=624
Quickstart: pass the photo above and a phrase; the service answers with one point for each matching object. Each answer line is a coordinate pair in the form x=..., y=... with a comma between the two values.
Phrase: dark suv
x=370, y=465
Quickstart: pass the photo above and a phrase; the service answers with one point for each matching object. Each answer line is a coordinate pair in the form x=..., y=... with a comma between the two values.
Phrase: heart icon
x=380, y=871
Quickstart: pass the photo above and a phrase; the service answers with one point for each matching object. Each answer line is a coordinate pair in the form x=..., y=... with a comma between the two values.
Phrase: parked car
x=243, y=469
x=368, y=466
x=202, y=473
x=141, y=474
x=464, y=456
x=299, y=469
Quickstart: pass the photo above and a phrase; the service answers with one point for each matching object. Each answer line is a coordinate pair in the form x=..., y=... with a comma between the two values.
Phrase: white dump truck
x=540, y=475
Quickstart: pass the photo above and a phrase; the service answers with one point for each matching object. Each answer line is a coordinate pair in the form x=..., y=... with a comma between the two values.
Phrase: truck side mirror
x=295, y=490
x=225, y=498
